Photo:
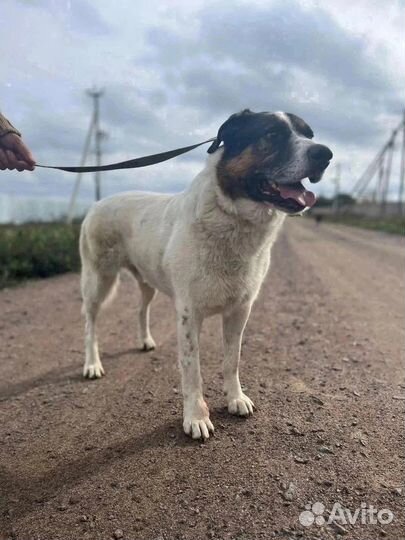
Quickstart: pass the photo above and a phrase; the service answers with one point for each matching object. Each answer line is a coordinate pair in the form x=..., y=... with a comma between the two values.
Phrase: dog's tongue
x=298, y=193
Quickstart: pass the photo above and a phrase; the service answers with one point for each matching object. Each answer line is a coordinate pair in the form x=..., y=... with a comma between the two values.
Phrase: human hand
x=14, y=154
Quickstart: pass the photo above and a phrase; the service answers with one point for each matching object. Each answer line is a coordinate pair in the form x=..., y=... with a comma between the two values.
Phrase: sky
x=173, y=72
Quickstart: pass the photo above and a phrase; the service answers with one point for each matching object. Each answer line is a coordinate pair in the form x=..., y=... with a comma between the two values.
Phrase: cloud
x=284, y=57
x=173, y=74
x=78, y=16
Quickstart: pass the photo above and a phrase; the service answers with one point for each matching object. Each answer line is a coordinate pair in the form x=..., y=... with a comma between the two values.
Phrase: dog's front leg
x=234, y=322
x=197, y=422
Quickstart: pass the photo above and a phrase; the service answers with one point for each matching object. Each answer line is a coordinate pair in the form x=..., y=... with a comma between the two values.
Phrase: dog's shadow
x=62, y=375
x=52, y=376
x=31, y=491
x=131, y=351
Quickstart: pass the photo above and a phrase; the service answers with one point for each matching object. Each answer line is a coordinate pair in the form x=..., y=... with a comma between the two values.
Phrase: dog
x=208, y=248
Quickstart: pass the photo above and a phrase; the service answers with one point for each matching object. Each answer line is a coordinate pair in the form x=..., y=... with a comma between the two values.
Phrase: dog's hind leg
x=148, y=293
x=96, y=286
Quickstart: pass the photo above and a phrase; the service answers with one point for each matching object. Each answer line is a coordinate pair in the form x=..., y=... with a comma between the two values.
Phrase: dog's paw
x=148, y=344
x=241, y=405
x=93, y=371
x=197, y=421
x=198, y=428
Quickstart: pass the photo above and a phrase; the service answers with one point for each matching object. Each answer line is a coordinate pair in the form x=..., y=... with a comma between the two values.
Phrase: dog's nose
x=319, y=154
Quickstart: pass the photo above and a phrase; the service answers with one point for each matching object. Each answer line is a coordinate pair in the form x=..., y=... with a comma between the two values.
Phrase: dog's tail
x=94, y=282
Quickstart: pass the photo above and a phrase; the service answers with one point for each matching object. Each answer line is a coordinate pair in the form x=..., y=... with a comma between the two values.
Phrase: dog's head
x=265, y=157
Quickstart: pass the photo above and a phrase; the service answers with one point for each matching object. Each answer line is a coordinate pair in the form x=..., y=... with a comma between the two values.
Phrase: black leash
x=131, y=163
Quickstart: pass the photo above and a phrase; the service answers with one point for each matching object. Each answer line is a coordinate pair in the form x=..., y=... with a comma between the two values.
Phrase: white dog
x=208, y=247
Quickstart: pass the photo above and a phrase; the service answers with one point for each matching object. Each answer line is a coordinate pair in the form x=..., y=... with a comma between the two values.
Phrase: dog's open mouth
x=291, y=198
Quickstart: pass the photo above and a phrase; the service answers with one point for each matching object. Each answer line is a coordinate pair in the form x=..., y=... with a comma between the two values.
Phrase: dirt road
x=108, y=459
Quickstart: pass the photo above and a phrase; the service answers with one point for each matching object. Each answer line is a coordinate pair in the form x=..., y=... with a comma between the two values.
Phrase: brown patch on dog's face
x=237, y=174
x=232, y=173
x=241, y=164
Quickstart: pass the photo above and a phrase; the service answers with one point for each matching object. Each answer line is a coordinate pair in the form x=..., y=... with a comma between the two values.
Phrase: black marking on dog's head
x=301, y=127
x=244, y=128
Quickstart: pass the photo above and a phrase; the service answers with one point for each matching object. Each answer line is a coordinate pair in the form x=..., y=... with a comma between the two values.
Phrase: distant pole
x=402, y=172
x=94, y=129
x=380, y=178
x=387, y=178
x=336, y=181
x=96, y=95
x=70, y=214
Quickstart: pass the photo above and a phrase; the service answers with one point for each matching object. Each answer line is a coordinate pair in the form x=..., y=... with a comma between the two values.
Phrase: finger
x=23, y=166
x=12, y=160
x=3, y=165
x=24, y=153
x=15, y=163
x=4, y=159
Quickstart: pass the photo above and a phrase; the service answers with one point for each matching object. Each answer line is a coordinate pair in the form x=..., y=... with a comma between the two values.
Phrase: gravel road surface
x=108, y=459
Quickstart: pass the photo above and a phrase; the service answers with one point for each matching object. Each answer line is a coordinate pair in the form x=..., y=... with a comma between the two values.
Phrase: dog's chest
x=229, y=272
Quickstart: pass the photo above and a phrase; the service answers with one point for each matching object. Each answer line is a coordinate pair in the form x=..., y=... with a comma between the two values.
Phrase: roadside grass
x=37, y=250
x=393, y=225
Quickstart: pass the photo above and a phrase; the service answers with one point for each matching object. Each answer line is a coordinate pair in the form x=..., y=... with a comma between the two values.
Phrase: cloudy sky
x=173, y=71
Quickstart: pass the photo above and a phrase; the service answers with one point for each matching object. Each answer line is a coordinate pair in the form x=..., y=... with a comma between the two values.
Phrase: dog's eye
x=273, y=136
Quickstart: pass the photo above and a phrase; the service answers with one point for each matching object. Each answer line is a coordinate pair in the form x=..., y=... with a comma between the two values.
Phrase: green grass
x=393, y=225
x=37, y=250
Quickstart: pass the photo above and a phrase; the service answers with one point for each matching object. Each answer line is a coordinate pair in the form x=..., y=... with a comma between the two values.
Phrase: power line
x=381, y=169
x=336, y=181
x=402, y=171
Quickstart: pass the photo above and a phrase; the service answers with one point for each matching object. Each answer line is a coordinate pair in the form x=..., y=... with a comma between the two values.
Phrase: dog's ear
x=231, y=132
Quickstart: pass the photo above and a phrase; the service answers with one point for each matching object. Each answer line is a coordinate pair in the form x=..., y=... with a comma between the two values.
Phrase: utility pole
x=75, y=191
x=387, y=177
x=380, y=178
x=336, y=181
x=95, y=132
x=402, y=172
x=96, y=95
